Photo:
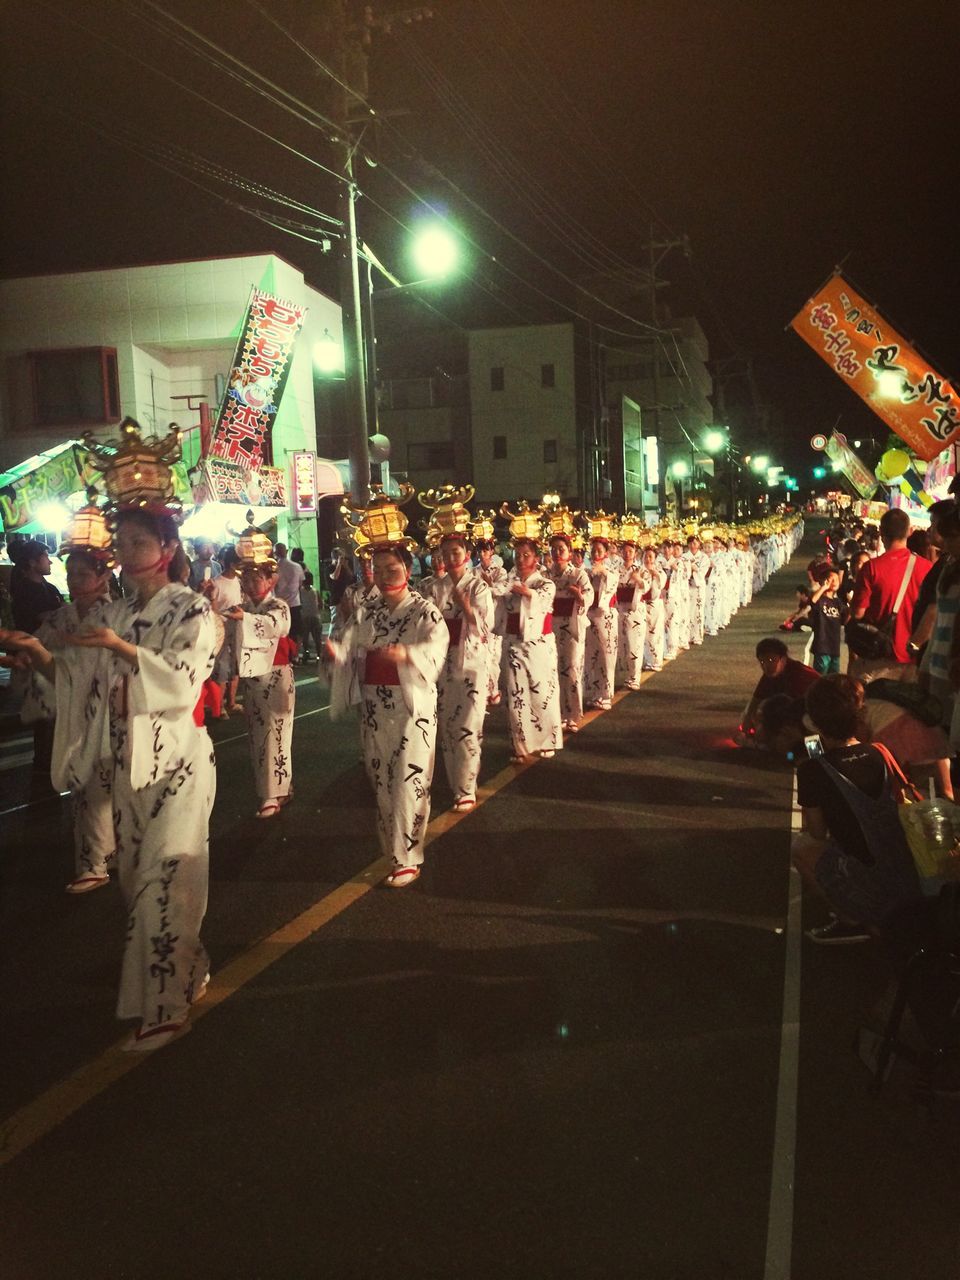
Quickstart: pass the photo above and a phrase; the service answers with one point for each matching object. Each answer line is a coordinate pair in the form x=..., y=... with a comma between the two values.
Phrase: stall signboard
x=857, y=472
x=885, y=370
x=255, y=386
x=941, y=471
x=54, y=476
x=304, y=469
x=228, y=482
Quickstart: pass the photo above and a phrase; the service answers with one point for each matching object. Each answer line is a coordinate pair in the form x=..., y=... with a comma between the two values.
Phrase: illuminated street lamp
x=715, y=440
x=328, y=354
x=680, y=470
x=760, y=462
x=434, y=251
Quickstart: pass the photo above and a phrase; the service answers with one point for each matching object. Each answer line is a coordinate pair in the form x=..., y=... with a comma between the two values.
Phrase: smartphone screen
x=814, y=746
x=207, y=573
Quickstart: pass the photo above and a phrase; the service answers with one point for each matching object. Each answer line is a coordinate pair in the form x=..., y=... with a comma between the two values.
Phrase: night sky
x=781, y=139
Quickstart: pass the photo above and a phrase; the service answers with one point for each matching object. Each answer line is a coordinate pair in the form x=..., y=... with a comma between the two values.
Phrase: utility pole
x=656, y=251
x=344, y=44
x=350, y=64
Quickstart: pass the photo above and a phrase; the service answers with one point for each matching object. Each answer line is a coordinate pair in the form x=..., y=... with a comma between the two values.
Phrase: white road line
x=783, y=1171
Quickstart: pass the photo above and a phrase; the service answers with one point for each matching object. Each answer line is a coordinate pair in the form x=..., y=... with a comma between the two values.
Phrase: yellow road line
x=39, y=1117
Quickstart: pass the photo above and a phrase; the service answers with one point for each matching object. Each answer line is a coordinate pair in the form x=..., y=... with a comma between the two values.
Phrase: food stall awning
x=29, y=491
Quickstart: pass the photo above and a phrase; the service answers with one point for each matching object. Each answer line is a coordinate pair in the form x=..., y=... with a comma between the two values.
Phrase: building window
x=74, y=386
x=496, y=379
x=548, y=375
x=550, y=450
x=432, y=455
x=499, y=446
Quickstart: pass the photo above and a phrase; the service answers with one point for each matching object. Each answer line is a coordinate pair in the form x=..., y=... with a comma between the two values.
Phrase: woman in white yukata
x=389, y=661
x=130, y=686
x=263, y=653
x=465, y=603
x=495, y=576
x=573, y=590
x=525, y=620
x=654, y=641
x=633, y=582
x=600, y=653
x=89, y=558
x=696, y=564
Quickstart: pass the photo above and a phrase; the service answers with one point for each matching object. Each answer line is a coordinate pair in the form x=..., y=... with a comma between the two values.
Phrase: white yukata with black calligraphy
x=600, y=650
x=164, y=783
x=654, y=643
x=398, y=714
x=462, y=688
x=94, y=842
x=713, y=595
x=695, y=569
x=530, y=681
x=496, y=579
x=570, y=635
x=633, y=582
x=269, y=694
x=677, y=608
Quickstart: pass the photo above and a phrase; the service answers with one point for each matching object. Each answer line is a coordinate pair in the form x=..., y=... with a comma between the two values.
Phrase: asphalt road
x=561, y=1053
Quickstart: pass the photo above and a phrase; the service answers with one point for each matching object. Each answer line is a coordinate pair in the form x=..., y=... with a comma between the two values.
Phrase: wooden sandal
x=400, y=877
x=269, y=809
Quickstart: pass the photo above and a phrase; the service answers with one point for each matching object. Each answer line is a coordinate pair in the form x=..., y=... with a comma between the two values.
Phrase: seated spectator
x=781, y=674
x=852, y=850
x=920, y=748
x=800, y=617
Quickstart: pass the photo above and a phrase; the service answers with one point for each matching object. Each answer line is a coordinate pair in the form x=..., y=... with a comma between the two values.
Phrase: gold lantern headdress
x=482, y=529
x=524, y=524
x=88, y=532
x=600, y=525
x=137, y=472
x=382, y=525
x=449, y=517
x=631, y=529
x=559, y=524
x=254, y=548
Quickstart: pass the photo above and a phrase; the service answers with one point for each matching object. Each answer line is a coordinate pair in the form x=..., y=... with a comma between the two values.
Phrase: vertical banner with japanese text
x=898, y=384
x=255, y=386
x=856, y=471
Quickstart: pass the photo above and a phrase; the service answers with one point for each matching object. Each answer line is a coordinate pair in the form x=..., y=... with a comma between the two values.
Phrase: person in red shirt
x=876, y=594
x=781, y=674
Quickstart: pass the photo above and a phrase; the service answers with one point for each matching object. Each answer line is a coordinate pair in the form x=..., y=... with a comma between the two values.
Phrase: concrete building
x=531, y=411
x=80, y=352
x=680, y=414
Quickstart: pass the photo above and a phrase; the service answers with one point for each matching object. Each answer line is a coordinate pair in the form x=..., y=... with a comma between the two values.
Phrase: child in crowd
x=312, y=626
x=826, y=617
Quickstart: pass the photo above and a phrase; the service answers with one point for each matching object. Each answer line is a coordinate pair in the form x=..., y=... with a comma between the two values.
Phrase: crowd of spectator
x=883, y=732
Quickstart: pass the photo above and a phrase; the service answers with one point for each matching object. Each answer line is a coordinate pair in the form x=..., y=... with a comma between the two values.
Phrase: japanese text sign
x=304, y=468
x=256, y=382
x=859, y=475
x=882, y=367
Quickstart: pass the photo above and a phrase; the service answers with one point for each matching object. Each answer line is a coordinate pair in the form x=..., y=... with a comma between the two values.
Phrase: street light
x=714, y=441
x=434, y=251
x=760, y=462
x=328, y=354
x=680, y=470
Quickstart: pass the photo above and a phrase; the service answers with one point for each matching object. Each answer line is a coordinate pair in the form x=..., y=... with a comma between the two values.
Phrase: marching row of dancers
x=124, y=681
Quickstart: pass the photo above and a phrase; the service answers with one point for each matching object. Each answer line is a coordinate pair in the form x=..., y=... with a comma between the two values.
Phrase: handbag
x=932, y=827
x=875, y=640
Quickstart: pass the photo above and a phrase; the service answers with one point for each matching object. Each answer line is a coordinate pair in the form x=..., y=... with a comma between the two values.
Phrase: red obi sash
x=287, y=650
x=513, y=624
x=379, y=670
x=563, y=607
x=455, y=627
x=625, y=594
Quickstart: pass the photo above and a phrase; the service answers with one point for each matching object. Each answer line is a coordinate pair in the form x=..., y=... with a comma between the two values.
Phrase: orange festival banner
x=881, y=367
